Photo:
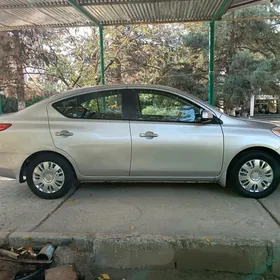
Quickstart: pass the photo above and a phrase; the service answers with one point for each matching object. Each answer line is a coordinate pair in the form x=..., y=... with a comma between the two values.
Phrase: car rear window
x=105, y=105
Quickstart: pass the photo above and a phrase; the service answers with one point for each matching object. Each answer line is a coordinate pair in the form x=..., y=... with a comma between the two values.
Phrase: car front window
x=163, y=106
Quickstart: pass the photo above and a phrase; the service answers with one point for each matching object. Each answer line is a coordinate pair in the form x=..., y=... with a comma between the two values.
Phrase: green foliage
x=35, y=99
x=10, y=104
x=247, y=54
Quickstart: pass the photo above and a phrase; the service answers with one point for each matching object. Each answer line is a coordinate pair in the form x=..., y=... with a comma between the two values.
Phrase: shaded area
x=165, y=209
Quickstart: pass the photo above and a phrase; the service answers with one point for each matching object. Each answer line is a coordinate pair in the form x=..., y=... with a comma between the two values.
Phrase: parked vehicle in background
x=136, y=133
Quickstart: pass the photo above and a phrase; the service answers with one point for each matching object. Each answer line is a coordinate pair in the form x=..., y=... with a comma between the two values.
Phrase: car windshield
x=200, y=101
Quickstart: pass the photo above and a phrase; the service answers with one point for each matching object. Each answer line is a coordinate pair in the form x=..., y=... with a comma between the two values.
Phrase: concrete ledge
x=80, y=242
x=275, y=260
x=134, y=252
x=4, y=238
x=240, y=256
x=146, y=252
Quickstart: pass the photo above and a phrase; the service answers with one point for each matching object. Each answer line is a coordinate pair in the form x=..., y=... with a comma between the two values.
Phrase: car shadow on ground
x=202, y=188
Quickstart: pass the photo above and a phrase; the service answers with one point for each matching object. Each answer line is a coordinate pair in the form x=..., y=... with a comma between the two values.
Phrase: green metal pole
x=222, y=9
x=101, y=46
x=102, y=74
x=96, y=22
x=211, y=93
x=1, y=104
x=83, y=11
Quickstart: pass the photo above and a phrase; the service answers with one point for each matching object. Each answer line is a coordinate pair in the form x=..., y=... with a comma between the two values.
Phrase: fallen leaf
x=20, y=248
x=75, y=250
x=106, y=276
x=132, y=228
x=208, y=240
x=72, y=200
x=23, y=252
x=28, y=238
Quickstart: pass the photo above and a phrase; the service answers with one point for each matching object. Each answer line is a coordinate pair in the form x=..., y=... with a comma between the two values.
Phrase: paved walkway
x=164, y=209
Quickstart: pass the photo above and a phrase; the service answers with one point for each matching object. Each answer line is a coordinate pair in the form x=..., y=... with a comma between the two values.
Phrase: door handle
x=148, y=135
x=64, y=133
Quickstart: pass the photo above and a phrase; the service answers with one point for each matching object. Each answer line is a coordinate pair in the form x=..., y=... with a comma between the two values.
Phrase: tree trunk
x=19, y=76
x=118, y=71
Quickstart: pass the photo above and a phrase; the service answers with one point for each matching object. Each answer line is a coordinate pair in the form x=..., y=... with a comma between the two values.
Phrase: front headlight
x=276, y=130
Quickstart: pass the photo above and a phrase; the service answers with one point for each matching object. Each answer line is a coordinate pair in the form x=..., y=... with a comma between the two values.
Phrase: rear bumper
x=9, y=173
x=10, y=164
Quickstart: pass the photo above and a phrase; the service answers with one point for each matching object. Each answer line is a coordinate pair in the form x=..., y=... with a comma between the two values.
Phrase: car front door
x=169, y=139
x=91, y=129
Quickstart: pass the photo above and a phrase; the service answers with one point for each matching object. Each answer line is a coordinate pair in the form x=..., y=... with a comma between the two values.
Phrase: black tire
x=65, y=166
x=234, y=171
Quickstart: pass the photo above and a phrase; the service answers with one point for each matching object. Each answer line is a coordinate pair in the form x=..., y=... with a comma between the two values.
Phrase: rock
x=84, y=261
x=7, y=275
x=66, y=272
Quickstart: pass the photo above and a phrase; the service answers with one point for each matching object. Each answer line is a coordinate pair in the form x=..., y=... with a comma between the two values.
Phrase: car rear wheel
x=49, y=176
x=255, y=174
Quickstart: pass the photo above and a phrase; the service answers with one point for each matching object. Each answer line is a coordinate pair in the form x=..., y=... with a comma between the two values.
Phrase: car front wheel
x=255, y=174
x=49, y=176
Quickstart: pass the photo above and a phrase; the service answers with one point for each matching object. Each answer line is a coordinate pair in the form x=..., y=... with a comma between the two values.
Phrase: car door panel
x=99, y=147
x=191, y=150
x=177, y=143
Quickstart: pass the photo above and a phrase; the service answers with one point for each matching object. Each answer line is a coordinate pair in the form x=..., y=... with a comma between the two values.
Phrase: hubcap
x=48, y=177
x=255, y=175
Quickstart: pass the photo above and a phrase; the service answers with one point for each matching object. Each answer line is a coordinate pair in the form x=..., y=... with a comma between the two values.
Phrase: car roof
x=84, y=90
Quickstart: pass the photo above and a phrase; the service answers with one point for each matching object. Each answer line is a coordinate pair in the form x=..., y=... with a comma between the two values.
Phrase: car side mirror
x=206, y=116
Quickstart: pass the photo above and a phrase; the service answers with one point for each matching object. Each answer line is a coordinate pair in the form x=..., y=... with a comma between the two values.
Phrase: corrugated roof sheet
x=236, y=4
x=18, y=14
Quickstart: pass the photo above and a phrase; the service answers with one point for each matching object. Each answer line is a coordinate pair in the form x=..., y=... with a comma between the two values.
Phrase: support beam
x=252, y=105
x=101, y=46
x=1, y=111
x=83, y=11
x=211, y=92
x=102, y=69
x=96, y=22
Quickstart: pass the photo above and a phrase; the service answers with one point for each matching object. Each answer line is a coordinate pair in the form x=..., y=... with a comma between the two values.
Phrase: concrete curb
x=157, y=252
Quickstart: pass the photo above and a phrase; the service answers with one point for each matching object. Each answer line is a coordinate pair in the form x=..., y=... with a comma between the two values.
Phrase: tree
x=11, y=65
x=247, y=54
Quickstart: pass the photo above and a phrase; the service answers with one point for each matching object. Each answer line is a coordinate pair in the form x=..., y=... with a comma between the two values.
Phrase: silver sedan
x=136, y=133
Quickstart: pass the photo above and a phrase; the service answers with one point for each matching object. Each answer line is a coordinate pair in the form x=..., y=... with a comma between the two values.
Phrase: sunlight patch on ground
x=5, y=179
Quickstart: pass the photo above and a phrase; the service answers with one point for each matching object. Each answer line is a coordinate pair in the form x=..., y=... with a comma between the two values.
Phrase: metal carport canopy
x=22, y=14
x=19, y=14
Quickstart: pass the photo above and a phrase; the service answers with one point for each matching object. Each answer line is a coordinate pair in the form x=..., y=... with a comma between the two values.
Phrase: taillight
x=4, y=126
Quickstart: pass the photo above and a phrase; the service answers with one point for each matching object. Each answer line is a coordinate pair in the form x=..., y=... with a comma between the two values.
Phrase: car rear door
x=90, y=128
x=169, y=140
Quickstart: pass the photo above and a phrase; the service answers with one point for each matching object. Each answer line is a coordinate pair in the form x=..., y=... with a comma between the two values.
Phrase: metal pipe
x=89, y=16
x=101, y=46
x=1, y=111
x=102, y=70
x=83, y=11
x=46, y=252
x=211, y=93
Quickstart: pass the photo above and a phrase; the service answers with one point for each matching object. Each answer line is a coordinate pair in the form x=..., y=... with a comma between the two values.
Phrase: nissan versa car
x=136, y=133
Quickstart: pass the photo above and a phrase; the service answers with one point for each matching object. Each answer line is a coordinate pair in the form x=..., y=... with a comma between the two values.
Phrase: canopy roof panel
x=19, y=14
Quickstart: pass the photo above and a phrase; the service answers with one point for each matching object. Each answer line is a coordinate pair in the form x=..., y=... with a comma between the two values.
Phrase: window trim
x=118, y=91
x=136, y=92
